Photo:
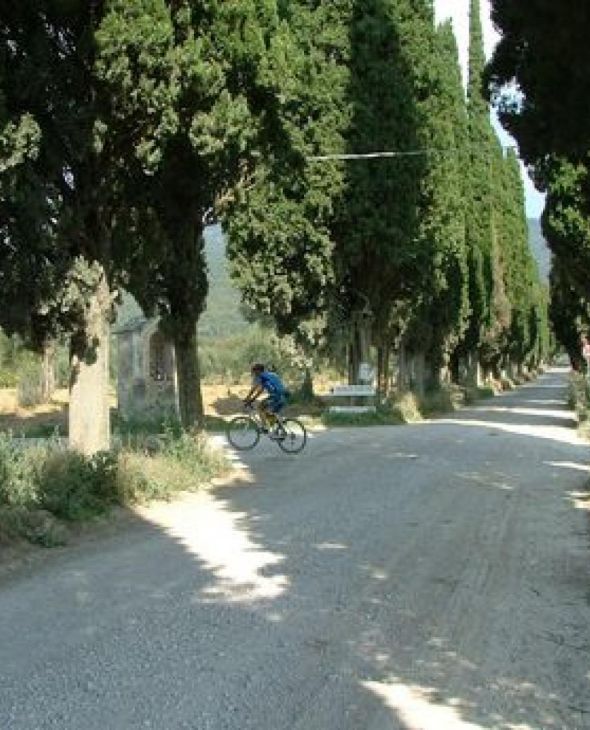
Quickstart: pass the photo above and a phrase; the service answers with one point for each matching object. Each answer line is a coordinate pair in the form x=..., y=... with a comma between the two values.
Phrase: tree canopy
x=539, y=75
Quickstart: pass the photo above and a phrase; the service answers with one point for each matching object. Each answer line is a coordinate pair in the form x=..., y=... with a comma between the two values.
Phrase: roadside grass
x=45, y=490
x=379, y=418
x=408, y=407
x=579, y=401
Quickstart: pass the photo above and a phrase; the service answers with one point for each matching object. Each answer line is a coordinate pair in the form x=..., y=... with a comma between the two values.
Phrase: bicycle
x=243, y=432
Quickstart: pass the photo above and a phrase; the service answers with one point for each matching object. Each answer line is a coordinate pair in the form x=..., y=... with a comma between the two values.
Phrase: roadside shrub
x=19, y=472
x=378, y=418
x=441, y=400
x=29, y=388
x=41, y=487
x=472, y=395
x=579, y=395
x=36, y=526
x=406, y=406
x=74, y=487
x=8, y=378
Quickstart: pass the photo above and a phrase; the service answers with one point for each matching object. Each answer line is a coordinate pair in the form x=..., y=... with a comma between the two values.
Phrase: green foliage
x=380, y=418
x=41, y=485
x=19, y=473
x=569, y=311
x=579, y=401
x=440, y=321
x=36, y=526
x=544, y=53
x=566, y=220
x=193, y=123
x=483, y=152
x=30, y=389
x=472, y=395
x=230, y=359
x=280, y=242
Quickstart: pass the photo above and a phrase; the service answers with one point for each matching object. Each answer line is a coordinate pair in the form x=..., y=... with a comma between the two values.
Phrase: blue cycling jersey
x=271, y=383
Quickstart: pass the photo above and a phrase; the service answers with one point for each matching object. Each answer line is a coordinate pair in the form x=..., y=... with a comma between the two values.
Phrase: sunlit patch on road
x=223, y=544
x=419, y=708
x=569, y=465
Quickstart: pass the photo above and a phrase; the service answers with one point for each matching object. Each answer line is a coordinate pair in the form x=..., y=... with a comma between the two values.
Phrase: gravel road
x=430, y=577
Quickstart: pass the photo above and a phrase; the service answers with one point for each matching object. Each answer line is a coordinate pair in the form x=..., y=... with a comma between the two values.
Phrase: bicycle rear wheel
x=293, y=436
x=243, y=433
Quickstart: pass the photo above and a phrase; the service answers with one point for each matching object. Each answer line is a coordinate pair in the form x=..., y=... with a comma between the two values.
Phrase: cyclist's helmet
x=257, y=368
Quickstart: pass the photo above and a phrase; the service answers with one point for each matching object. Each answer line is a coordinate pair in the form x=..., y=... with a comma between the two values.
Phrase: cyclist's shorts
x=275, y=404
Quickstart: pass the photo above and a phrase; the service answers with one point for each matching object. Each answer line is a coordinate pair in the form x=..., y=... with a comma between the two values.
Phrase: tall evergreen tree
x=440, y=322
x=380, y=257
x=569, y=313
x=521, y=273
x=566, y=219
x=486, y=292
x=280, y=241
x=544, y=52
x=201, y=87
x=71, y=236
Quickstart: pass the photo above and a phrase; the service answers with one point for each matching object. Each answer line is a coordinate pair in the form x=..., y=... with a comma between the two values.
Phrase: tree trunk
x=471, y=373
x=89, y=423
x=418, y=370
x=383, y=352
x=403, y=374
x=359, y=351
x=306, y=392
x=48, y=371
x=190, y=400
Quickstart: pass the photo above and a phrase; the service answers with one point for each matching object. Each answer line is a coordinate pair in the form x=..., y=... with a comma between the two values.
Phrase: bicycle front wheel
x=293, y=436
x=243, y=433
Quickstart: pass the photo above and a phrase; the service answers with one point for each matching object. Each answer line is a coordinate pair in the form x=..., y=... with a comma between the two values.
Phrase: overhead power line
x=385, y=155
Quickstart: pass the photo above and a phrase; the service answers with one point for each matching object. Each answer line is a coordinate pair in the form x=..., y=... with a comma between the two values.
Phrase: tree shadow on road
x=406, y=591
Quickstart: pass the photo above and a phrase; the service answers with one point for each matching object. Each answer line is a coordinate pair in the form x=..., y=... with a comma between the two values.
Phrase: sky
x=458, y=11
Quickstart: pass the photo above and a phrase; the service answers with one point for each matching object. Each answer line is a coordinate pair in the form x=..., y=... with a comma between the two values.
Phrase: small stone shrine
x=146, y=368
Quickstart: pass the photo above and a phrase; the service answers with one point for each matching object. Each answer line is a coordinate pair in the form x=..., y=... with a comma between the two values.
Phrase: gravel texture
x=430, y=577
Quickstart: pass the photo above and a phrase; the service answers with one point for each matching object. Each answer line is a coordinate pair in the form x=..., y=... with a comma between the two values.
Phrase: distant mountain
x=539, y=247
x=222, y=316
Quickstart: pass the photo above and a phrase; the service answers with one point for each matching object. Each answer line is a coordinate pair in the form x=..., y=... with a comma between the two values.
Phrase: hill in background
x=223, y=315
x=539, y=247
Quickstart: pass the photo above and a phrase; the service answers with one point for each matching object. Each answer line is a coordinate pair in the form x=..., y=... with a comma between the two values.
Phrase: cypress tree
x=522, y=277
x=279, y=228
x=64, y=243
x=569, y=312
x=486, y=287
x=440, y=322
x=194, y=120
x=380, y=258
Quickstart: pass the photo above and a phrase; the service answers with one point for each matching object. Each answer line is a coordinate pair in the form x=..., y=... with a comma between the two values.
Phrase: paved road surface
x=432, y=577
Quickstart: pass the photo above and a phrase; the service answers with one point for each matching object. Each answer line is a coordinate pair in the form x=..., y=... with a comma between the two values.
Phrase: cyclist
x=266, y=381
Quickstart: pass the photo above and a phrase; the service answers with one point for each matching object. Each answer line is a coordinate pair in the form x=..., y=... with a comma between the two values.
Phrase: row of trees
x=127, y=125
x=425, y=253
x=544, y=56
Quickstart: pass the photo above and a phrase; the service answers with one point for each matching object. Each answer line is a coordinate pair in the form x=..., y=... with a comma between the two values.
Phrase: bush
x=472, y=395
x=8, y=378
x=29, y=388
x=41, y=485
x=36, y=526
x=442, y=400
x=74, y=487
x=406, y=405
x=378, y=418
x=579, y=395
x=19, y=473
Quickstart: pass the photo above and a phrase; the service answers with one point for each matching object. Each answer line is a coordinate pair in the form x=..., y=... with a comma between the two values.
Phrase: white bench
x=353, y=391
